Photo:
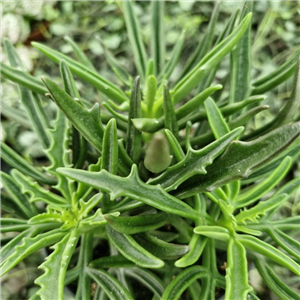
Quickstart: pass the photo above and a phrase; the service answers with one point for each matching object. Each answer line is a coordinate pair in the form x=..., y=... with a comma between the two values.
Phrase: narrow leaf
x=107, y=88
x=134, y=188
x=241, y=159
x=132, y=250
x=87, y=122
x=135, y=38
x=195, y=162
x=52, y=281
x=109, y=284
x=178, y=285
x=18, y=162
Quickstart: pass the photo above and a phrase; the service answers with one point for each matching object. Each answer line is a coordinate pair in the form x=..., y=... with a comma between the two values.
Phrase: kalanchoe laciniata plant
x=162, y=186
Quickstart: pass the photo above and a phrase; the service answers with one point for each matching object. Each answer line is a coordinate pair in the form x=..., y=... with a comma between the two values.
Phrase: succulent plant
x=158, y=181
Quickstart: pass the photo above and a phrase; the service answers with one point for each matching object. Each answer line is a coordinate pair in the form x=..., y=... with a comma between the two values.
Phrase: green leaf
x=215, y=232
x=134, y=138
x=37, y=192
x=240, y=160
x=136, y=224
x=157, y=157
x=185, y=278
x=148, y=279
x=157, y=37
x=134, y=188
x=196, y=244
x=80, y=54
x=261, y=247
x=240, y=73
x=18, y=162
x=254, y=193
x=116, y=67
x=237, y=286
x=215, y=119
x=274, y=283
x=87, y=122
x=23, y=79
x=109, y=159
x=59, y=153
x=135, y=39
x=107, y=88
x=113, y=261
x=205, y=42
x=52, y=281
x=12, y=224
x=285, y=241
x=185, y=86
x=132, y=250
x=160, y=248
x=169, y=113
x=85, y=256
x=28, y=209
x=174, y=57
x=175, y=146
x=194, y=163
x=29, y=245
x=31, y=102
x=195, y=102
x=150, y=94
x=109, y=284
x=288, y=113
x=276, y=77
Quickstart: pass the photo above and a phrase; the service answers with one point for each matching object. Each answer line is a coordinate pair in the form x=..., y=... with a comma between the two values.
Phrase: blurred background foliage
x=276, y=35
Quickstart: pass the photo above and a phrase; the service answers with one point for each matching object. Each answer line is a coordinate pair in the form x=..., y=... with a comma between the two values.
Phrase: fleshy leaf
x=240, y=159
x=237, y=286
x=194, y=163
x=31, y=245
x=87, y=122
x=258, y=246
x=177, y=286
x=55, y=267
x=18, y=162
x=107, y=88
x=136, y=224
x=160, y=248
x=112, y=287
x=132, y=250
x=134, y=188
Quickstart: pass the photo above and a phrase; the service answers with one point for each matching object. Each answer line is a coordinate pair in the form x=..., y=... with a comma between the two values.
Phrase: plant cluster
x=161, y=187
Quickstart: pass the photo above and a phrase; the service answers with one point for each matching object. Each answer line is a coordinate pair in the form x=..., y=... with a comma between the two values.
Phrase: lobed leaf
x=37, y=192
x=52, y=281
x=240, y=159
x=87, y=122
x=215, y=232
x=29, y=245
x=133, y=188
x=237, y=286
x=132, y=250
x=195, y=162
